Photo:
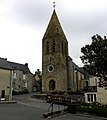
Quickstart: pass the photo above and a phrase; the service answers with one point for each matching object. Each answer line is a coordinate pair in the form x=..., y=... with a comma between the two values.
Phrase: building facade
x=54, y=57
x=76, y=76
x=15, y=78
x=95, y=93
x=91, y=89
x=5, y=80
x=22, y=78
x=58, y=70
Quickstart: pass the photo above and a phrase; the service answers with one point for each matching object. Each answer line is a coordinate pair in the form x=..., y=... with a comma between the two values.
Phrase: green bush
x=93, y=108
x=25, y=91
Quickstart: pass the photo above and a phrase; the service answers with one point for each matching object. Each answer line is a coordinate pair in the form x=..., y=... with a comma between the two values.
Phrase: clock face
x=50, y=68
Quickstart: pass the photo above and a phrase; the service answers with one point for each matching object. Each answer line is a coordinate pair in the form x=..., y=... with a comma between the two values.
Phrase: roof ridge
x=17, y=63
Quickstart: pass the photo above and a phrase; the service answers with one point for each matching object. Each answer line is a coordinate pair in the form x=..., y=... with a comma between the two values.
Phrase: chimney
x=26, y=64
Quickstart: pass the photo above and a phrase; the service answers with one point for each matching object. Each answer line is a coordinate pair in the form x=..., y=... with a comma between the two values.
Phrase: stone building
x=16, y=78
x=95, y=91
x=91, y=89
x=5, y=80
x=76, y=82
x=59, y=72
x=22, y=78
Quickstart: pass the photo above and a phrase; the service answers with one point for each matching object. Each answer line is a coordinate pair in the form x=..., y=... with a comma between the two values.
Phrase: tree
x=38, y=77
x=95, y=58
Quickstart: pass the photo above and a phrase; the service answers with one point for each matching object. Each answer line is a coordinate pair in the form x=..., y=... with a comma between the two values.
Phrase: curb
x=7, y=102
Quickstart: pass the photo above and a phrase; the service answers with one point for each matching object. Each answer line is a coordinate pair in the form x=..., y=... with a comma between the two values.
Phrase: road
x=33, y=109
x=27, y=100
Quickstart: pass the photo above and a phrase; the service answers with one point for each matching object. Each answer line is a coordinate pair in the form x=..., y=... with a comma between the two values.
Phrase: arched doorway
x=51, y=85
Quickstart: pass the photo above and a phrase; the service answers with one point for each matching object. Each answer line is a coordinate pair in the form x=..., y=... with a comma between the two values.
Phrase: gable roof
x=76, y=67
x=21, y=67
x=4, y=64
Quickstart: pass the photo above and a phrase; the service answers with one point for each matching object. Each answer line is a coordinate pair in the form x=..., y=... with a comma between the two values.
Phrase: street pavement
x=28, y=108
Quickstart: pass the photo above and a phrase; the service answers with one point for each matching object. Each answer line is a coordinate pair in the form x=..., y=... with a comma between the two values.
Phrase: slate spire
x=54, y=27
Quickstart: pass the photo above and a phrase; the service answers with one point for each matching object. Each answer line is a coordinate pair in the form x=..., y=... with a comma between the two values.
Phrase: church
x=59, y=72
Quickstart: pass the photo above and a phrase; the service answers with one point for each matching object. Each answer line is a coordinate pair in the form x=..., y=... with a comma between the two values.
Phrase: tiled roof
x=54, y=27
x=17, y=66
x=4, y=64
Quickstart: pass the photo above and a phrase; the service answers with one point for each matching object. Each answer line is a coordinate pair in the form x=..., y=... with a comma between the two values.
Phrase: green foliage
x=95, y=57
x=39, y=74
x=25, y=91
x=93, y=108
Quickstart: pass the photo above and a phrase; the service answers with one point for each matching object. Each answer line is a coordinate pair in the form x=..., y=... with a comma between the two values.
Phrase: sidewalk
x=7, y=102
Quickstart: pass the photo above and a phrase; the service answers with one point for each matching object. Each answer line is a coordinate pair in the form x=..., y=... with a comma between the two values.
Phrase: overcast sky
x=23, y=24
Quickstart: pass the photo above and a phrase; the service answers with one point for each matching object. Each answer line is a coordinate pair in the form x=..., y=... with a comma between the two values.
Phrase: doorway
x=3, y=95
x=52, y=85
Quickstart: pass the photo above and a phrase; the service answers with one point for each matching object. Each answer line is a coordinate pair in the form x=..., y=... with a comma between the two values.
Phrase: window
x=50, y=68
x=14, y=75
x=24, y=77
x=91, y=97
x=25, y=84
x=50, y=59
x=62, y=47
x=94, y=97
x=53, y=46
x=47, y=47
x=88, y=97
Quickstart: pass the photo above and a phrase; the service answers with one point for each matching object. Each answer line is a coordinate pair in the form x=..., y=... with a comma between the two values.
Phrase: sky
x=24, y=22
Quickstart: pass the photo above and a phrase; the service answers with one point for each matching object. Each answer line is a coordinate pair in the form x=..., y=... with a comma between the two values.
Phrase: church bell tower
x=54, y=57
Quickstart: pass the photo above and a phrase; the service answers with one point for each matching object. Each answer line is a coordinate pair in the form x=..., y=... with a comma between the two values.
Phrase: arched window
x=52, y=85
x=62, y=47
x=47, y=47
x=53, y=48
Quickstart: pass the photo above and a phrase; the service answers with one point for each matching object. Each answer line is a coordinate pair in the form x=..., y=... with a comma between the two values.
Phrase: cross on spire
x=54, y=5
